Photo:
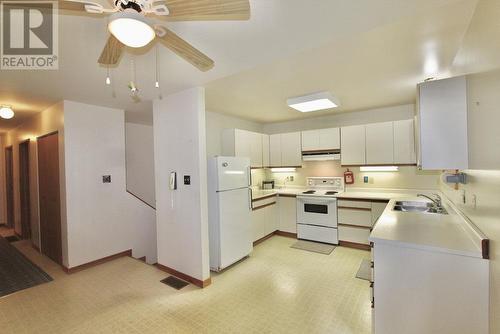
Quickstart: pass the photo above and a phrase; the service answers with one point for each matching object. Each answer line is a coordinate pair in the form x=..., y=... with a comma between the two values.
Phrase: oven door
x=319, y=211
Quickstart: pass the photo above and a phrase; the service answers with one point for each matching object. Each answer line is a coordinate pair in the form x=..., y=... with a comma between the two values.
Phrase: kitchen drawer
x=317, y=233
x=259, y=203
x=355, y=217
x=354, y=234
x=354, y=204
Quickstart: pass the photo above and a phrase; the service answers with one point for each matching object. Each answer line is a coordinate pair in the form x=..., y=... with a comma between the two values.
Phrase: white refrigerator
x=229, y=207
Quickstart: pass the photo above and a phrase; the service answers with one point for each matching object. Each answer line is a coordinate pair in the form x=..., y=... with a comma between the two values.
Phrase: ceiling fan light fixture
x=131, y=28
x=6, y=112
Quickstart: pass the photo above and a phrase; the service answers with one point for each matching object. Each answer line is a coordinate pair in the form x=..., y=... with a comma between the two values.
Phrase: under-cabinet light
x=283, y=170
x=379, y=168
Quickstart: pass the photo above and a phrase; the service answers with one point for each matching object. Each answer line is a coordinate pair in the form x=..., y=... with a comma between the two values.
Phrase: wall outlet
x=365, y=179
x=106, y=179
x=291, y=178
x=187, y=179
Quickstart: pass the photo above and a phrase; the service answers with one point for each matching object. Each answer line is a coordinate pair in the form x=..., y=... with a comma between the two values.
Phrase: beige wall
x=406, y=177
x=49, y=120
x=483, y=120
x=140, y=161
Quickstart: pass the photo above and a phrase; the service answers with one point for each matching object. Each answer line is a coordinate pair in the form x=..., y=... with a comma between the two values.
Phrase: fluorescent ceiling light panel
x=313, y=102
x=379, y=168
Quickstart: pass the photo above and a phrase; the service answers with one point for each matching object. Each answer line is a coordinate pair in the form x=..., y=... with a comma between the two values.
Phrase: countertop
x=449, y=233
x=260, y=193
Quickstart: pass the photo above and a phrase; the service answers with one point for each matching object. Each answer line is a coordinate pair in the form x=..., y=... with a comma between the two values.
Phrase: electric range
x=317, y=209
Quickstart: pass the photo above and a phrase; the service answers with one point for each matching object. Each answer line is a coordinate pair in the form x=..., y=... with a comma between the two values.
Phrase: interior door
x=49, y=197
x=9, y=185
x=24, y=189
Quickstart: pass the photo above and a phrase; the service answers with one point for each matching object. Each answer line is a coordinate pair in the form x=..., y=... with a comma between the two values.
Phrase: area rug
x=315, y=247
x=365, y=270
x=16, y=271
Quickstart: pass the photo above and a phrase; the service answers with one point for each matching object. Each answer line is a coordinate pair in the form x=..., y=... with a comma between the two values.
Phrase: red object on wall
x=348, y=177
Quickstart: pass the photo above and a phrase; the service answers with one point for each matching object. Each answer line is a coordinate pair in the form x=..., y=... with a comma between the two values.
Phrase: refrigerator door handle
x=250, y=199
x=249, y=176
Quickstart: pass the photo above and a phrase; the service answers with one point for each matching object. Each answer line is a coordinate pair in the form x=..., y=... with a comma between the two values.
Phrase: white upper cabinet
x=353, y=145
x=255, y=149
x=275, y=150
x=242, y=143
x=285, y=150
x=310, y=140
x=379, y=143
x=442, y=124
x=323, y=139
x=265, y=150
x=329, y=139
x=404, y=142
x=291, y=153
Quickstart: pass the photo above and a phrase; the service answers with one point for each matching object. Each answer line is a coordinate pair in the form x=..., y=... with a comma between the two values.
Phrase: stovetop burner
x=309, y=192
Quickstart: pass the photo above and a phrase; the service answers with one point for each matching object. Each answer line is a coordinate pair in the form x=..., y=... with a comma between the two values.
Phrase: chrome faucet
x=437, y=200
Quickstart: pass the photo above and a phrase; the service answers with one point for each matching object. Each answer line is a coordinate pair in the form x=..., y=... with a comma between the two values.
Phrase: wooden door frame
x=25, y=192
x=9, y=195
x=59, y=256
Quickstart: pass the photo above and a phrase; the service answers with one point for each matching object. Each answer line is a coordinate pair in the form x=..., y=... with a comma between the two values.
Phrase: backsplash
x=406, y=177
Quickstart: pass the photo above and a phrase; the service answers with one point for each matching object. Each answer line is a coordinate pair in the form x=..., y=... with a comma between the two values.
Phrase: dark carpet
x=16, y=271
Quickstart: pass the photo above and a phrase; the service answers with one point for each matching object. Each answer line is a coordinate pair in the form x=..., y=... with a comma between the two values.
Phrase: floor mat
x=315, y=247
x=12, y=238
x=174, y=282
x=16, y=271
x=365, y=270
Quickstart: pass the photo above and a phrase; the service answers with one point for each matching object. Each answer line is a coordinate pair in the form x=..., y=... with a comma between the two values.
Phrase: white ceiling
x=369, y=53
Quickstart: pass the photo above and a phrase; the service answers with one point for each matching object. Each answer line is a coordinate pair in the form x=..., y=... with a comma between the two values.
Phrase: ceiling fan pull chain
x=157, y=69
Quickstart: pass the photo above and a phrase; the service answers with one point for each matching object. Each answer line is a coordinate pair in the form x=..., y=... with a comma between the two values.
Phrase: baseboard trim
x=185, y=277
x=142, y=258
x=35, y=247
x=256, y=242
x=84, y=266
x=354, y=245
x=286, y=234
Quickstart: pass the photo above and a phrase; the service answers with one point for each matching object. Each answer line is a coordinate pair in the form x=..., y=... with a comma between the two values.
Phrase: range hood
x=321, y=155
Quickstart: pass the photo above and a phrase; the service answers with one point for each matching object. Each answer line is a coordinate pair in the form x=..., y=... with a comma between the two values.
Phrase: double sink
x=417, y=206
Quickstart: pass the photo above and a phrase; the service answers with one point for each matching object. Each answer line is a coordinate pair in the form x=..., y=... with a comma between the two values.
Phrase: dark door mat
x=16, y=271
x=12, y=238
x=174, y=282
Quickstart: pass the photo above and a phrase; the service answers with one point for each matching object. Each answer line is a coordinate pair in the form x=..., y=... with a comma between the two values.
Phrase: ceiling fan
x=130, y=23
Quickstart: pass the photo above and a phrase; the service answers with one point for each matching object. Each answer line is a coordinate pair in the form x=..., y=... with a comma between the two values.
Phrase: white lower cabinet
x=258, y=224
x=356, y=218
x=264, y=217
x=357, y=235
x=420, y=291
x=287, y=214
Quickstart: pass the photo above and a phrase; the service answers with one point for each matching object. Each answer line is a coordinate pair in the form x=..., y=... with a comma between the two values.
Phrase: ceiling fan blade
x=111, y=52
x=207, y=10
x=185, y=50
x=71, y=5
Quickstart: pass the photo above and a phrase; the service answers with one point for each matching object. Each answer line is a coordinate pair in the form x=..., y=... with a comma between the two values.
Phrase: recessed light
x=6, y=112
x=313, y=102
